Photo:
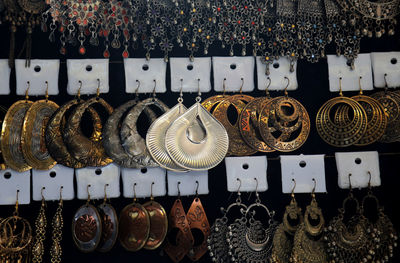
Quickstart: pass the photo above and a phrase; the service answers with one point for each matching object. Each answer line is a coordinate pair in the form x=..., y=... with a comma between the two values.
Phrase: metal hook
x=88, y=194
x=315, y=186
x=41, y=192
x=181, y=91
x=198, y=88
x=98, y=88
x=359, y=85
x=16, y=204
x=340, y=87
x=154, y=89
x=288, y=83
x=240, y=185
x=224, y=87
x=197, y=188
x=257, y=195
x=79, y=90
x=294, y=187
x=267, y=88
x=47, y=90
x=151, y=191
x=384, y=77
x=369, y=180
x=179, y=191
x=105, y=192
x=61, y=188
x=137, y=88
x=350, y=187
x=134, y=192
x=27, y=90
x=241, y=87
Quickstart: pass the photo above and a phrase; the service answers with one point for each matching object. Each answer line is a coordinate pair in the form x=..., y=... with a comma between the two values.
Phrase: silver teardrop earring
x=196, y=140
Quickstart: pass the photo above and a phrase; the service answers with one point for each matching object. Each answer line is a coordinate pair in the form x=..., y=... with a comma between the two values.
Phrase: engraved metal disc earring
x=109, y=221
x=155, y=138
x=86, y=226
x=196, y=140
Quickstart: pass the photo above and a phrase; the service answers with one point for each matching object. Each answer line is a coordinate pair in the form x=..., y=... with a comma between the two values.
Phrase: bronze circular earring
x=11, y=133
x=88, y=152
x=33, y=144
x=87, y=227
x=3, y=111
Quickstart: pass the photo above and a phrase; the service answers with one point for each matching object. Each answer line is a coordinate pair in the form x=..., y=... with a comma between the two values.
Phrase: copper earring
x=184, y=239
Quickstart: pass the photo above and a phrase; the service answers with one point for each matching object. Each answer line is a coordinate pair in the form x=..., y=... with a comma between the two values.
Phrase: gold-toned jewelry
x=3, y=111
x=308, y=241
x=341, y=135
x=57, y=224
x=33, y=144
x=16, y=238
x=290, y=121
x=11, y=134
x=284, y=235
x=40, y=233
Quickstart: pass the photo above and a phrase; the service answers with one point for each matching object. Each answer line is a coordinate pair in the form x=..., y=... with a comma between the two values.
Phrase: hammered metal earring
x=197, y=219
x=284, y=235
x=109, y=222
x=248, y=239
x=40, y=232
x=86, y=226
x=308, y=244
x=57, y=223
x=184, y=240
x=196, y=140
x=217, y=244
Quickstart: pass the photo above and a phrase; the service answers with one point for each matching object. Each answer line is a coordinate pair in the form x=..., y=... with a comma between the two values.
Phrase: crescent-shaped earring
x=111, y=134
x=54, y=133
x=109, y=222
x=133, y=143
x=86, y=151
x=11, y=134
x=196, y=140
x=33, y=144
x=155, y=137
x=3, y=112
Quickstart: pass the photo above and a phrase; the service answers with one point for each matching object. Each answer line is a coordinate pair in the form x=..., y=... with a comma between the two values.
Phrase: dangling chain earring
x=308, y=246
x=381, y=230
x=57, y=224
x=284, y=235
x=40, y=232
x=217, y=244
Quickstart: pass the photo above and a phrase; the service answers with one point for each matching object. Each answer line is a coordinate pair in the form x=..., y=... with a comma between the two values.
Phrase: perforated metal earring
x=57, y=223
x=40, y=232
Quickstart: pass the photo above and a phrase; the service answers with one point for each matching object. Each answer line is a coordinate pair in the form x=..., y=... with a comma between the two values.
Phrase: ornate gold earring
x=284, y=235
x=57, y=224
x=40, y=232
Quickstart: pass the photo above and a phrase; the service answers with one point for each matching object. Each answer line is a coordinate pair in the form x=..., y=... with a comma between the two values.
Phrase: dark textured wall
x=313, y=91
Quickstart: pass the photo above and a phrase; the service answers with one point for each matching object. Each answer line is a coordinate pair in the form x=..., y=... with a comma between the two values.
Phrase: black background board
x=313, y=91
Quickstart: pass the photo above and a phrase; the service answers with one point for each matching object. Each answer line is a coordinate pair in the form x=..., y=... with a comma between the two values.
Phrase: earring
x=11, y=134
x=155, y=137
x=57, y=224
x=308, y=241
x=334, y=132
x=16, y=238
x=284, y=235
x=86, y=226
x=210, y=103
x=197, y=219
x=280, y=119
x=381, y=230
x=217, y=244
x=134, y=225
x=196, y=140
x=248, y=123
x=248, y=240
x=177, y=219
x=109, y=222
x=40, y=232
x=158, y=222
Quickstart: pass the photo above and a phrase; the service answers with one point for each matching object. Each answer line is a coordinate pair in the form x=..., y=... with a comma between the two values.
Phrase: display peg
x=87, y=75
x=52, y=180
x=386, y=65
x=42, y=76
x=301, y=173
x=11, y=182
x=145, y=76
x=359, y=166
x=149, y=182
x=233, y=74
x=189, y=76
x=351, y=79
x=97, y=178
x=186, y=184
x=244, y=171
x=278, y=70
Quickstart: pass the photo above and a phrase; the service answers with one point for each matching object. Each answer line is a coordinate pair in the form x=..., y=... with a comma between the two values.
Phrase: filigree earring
x=284, y=235
x=57, y=223
x=248, y=239
x=217, y=244
x=308, y=241
x=40, y=232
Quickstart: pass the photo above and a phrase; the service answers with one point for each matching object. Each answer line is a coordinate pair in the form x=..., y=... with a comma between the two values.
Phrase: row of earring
x=360, y=120
x=302, y=238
